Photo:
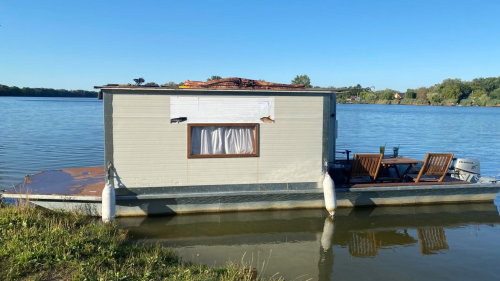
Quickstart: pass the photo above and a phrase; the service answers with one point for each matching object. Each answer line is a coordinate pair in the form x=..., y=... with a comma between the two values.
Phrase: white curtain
x=222, y=140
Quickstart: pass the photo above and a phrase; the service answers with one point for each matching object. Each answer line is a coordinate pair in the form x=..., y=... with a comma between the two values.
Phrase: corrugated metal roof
x=241, y=83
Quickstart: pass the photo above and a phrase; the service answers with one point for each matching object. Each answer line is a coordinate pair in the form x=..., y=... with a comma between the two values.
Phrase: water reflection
x=326, y=256
x=432, y=240
x=307, y=243
x=497, y=203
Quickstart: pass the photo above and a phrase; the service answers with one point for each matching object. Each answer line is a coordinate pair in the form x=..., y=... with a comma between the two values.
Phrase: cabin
x=353, y=98
x=271, y=141
x=399, y=96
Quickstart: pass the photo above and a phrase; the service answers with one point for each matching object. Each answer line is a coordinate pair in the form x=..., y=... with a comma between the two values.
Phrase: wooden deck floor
x=447, y=181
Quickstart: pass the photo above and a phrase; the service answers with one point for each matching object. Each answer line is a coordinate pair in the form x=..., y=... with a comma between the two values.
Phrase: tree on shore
x=495, y=94
x=422, y=93
x=139, y=81
x=451, y=92
x=411, y=94
x=302, y=79
x=214, y=77
x=356, y=90
x=387, y=94
x=434, y=98
x=478, y=93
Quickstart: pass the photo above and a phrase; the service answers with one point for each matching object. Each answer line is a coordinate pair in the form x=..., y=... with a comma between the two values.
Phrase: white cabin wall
x=148, y=150
x=151, y=152
x=291, y=148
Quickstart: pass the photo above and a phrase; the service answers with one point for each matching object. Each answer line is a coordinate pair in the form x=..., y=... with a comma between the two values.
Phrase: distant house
x=352, y=98
x=399, y=96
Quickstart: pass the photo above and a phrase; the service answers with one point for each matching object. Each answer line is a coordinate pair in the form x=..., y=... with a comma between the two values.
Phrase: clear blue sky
x=386, y=44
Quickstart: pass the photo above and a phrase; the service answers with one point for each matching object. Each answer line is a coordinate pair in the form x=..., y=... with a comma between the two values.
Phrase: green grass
x=37, y=244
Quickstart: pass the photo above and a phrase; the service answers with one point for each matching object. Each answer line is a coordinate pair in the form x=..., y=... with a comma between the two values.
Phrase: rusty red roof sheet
x=241, y=83
x=232, y=83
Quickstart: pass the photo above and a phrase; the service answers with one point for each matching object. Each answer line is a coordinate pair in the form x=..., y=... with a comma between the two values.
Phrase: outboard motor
x=466, y=169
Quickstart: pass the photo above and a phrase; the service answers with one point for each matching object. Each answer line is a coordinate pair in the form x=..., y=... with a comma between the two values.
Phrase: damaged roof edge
x=135, y=88
x=230, y=84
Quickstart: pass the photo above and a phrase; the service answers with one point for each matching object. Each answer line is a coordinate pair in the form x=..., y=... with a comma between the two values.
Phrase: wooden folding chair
x=435, y=164
x=365, y=165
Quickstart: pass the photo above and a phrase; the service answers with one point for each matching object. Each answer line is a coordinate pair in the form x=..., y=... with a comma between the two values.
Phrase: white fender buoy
x=329, y=192
x=327, y=236
x=108, y=202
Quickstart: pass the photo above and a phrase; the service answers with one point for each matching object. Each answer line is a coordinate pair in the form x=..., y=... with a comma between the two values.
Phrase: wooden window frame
x=255, y=145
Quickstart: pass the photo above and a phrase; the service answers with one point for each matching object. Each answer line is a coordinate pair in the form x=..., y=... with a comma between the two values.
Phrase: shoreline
x=387, y=102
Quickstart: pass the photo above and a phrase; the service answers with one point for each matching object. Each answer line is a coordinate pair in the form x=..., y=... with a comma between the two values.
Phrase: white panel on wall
x=221, y=110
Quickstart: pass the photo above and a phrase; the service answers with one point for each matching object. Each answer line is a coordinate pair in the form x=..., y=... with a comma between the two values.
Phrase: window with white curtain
x=222, y=140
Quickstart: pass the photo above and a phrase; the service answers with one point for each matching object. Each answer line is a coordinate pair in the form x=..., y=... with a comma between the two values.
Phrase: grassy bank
x=37, y=244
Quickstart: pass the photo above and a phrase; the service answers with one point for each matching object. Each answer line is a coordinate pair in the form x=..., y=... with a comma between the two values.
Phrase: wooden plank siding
x=149, y=151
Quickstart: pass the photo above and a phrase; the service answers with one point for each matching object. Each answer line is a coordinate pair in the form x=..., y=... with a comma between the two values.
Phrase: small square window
x=223, y=140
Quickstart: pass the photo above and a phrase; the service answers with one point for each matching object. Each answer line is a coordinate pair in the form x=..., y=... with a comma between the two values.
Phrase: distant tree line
x=44, y=92
x=479, y=92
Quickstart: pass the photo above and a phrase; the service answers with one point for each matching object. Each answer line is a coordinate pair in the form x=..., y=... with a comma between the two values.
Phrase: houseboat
x=226, y=145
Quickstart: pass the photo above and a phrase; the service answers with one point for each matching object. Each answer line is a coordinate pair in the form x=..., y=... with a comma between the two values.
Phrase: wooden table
x=394, y=162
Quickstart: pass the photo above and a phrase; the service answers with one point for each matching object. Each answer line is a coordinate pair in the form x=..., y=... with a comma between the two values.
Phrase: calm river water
x=447, y=242
x=430, y=242
x=53, y=133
